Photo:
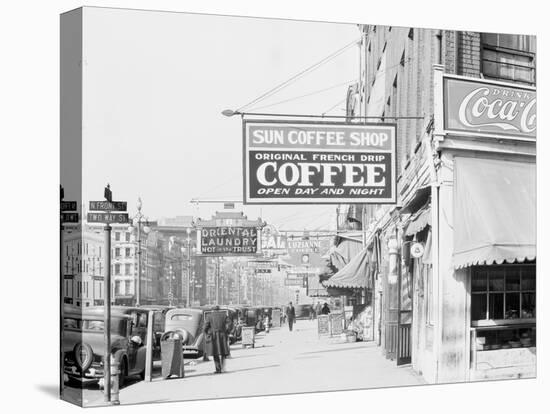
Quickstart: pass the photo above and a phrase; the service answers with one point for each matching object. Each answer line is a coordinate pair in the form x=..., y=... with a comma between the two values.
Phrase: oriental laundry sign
x=227, y=241
x=318, y=162
x=481, y=107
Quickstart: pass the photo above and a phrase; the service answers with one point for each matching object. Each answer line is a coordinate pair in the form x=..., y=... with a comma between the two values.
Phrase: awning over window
x=494, y=211
x=353, y=275
x=345, y=251
x=419, y=223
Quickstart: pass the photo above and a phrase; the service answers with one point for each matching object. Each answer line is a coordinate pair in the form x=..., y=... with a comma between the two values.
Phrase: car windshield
x=71, y=323
x=181, y=317
x=97, y=325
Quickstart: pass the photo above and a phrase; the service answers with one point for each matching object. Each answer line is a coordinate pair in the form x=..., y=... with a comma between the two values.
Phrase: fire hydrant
x=115, y=371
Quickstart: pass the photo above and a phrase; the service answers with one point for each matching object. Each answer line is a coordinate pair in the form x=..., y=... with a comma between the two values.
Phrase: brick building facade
x=427, y=310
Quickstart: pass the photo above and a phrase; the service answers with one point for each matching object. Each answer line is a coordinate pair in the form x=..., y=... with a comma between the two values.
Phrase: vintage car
x=255, y=317
x=188, y=325
x=84, y=346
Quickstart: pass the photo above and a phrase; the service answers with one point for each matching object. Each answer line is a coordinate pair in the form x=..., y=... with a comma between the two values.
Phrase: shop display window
x=503, y=292
x=503, y=306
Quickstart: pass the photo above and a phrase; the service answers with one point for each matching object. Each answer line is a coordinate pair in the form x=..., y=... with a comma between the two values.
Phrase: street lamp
x=137, y=221
x=229, y=112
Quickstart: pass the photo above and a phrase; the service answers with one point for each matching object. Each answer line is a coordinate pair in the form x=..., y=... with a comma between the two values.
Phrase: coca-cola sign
x=491, y=108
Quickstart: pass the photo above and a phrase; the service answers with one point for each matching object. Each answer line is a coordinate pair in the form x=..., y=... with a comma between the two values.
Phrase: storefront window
x=503, y=292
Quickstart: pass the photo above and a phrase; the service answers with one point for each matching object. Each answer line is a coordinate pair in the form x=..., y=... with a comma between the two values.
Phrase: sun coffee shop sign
x=302, y=162
x=485, y=108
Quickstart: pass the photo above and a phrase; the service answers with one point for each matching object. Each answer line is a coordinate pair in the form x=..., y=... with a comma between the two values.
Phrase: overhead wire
x=304, y=95
x=294, y=78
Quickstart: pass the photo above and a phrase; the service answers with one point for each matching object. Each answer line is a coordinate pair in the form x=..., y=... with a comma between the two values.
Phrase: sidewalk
x=282, y=362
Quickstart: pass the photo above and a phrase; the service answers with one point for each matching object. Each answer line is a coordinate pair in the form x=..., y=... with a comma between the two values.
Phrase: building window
x=117, y=287
x=127, y=236
x=127, y=287
x=503, y=292
x=508, y=57
x=117, y=269
x=128, y=252
x=117, y=252
x=117, y=236
x=127, y=268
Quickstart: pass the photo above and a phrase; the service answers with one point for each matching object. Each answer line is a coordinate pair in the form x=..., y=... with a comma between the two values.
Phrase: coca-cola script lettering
x=494, y=109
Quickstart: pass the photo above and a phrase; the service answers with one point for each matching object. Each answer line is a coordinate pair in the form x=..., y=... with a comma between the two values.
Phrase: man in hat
x=216, y=329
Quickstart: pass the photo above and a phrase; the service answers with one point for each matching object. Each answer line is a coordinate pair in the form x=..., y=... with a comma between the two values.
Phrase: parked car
x=84, y=346
x=188, y=325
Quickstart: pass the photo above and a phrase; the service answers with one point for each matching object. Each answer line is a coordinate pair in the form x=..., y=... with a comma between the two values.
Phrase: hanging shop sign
x=480, y=107
x=276, y=243
x=306, y=246
x=261, y=270
x=227, y=241
x=318, y=162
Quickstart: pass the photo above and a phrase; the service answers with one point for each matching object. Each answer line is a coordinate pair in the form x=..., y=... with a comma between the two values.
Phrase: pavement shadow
x=49, y=389
x=252, y=368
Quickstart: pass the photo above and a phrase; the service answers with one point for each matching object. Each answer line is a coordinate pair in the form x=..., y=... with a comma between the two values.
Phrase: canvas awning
x=419, y=222
x=345, y=251
x=494, y=211
x=354, y=275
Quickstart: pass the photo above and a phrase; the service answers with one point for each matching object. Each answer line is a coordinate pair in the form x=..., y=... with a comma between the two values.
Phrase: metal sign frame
x=321, y=199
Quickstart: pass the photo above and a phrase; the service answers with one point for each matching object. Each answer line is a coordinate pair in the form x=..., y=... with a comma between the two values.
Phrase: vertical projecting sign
x=318, y=162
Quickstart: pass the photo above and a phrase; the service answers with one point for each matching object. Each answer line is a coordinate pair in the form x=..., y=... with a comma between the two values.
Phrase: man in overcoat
x=216, y=329
x=290, y=316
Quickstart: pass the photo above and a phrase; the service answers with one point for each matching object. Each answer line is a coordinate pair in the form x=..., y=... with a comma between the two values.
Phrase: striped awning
x=354, y=275
x=345, y=251
x=494, y=211
x=419, y=222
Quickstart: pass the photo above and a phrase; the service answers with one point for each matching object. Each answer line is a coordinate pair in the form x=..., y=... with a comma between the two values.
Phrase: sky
x=154, y=86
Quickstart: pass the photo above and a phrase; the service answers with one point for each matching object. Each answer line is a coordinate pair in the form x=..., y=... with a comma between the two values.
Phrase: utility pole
x=107, y=315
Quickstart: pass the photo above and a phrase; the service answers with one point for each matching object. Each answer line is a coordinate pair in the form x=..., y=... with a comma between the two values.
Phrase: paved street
x=282, y=362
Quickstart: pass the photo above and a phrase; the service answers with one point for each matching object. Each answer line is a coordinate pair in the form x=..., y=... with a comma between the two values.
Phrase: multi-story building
x=124, y=264
x=454, y=260
x=83, y=266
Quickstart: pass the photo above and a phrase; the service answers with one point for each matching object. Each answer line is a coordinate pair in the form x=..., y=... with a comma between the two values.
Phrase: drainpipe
x=436, y=136
x=439, y=47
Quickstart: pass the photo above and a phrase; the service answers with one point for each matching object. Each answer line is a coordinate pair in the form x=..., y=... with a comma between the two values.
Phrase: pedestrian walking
x=325, y=309
x=290, y=316
x=318, y=308
x=216, y=330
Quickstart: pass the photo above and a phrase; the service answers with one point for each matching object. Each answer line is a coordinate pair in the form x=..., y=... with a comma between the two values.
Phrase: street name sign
x=108, y=218
x=68, y=206
x=303, y=162
x=69, y=217
x=108, y=205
